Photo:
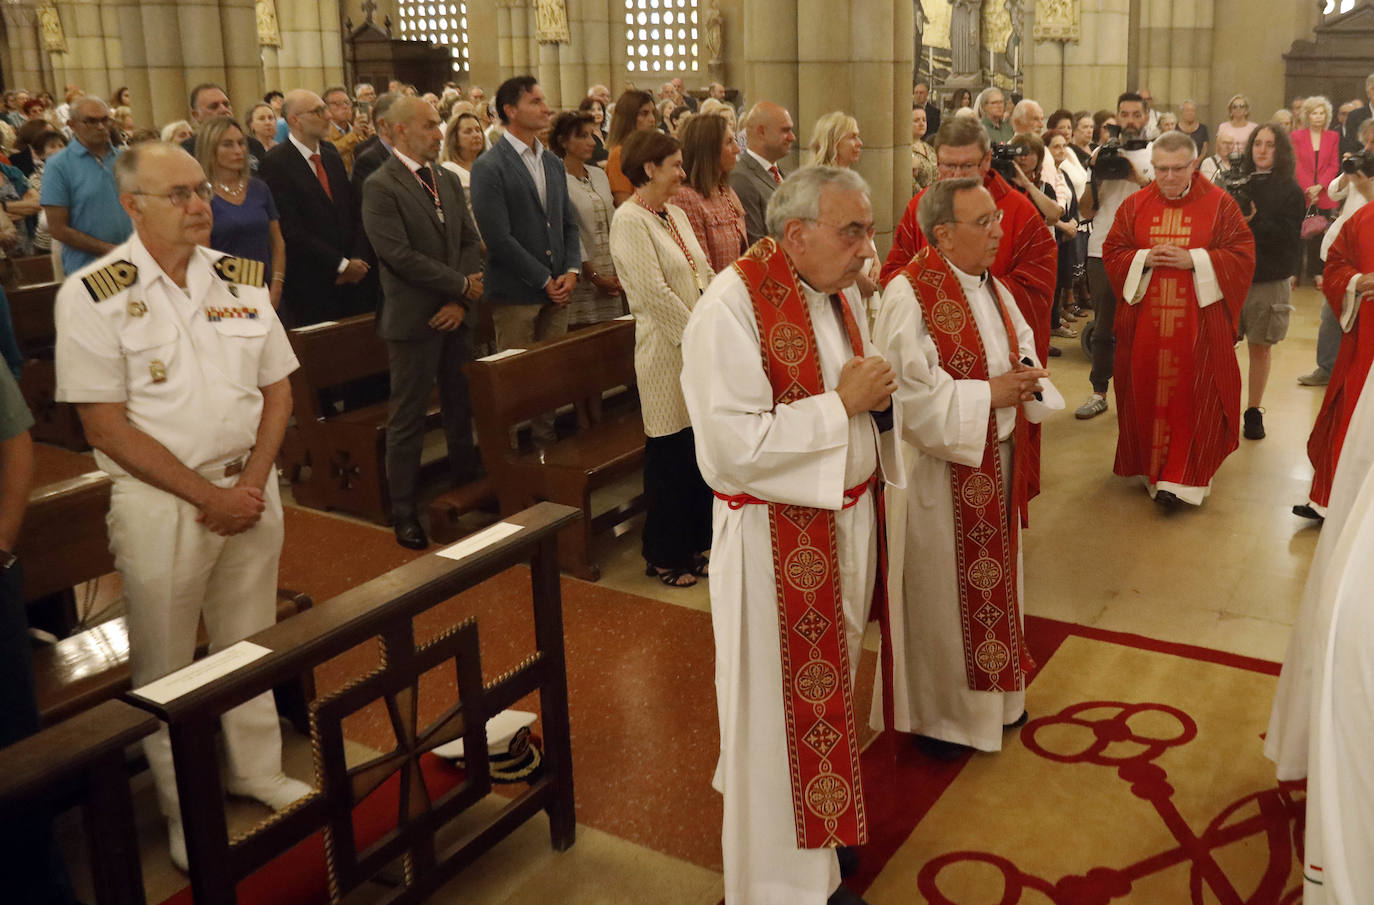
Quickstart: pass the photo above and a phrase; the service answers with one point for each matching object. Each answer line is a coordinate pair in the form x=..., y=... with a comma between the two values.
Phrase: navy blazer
x=526, y=245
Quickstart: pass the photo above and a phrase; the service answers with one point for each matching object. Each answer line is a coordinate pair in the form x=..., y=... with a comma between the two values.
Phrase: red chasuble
x=1351, y=254
x=1177, y=380
x=985, y=529
x=818, y=696
x=1026, y=263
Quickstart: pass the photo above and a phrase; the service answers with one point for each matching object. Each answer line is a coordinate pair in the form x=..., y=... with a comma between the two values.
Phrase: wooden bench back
x=64, y=541
x=33, y=269
x=332, y=355
x=31, y=309
x=571, y=369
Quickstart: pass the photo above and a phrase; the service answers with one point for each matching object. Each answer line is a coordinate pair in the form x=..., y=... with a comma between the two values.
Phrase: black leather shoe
x=1166, y=499
x=410, y=534
x=1254, y=424
x=1018, y=722
x=1306, y=511
x=843, y=896
x=939, y=749
x=849, y=860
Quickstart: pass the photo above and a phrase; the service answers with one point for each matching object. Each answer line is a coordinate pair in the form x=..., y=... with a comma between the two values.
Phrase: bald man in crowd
x=756, y=176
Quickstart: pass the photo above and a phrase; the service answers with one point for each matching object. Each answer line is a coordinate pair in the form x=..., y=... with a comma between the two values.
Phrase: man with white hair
x=780, y=381
x=991, y=108
x=1029, y=117
x=957, y=638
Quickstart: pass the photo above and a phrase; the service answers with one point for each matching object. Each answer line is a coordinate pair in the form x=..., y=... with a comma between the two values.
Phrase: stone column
x=242, y=61
x=771, y=68
x=572, y=66
x=84, y=62
x=1175, y=50
x=161, y=30
x=859, y=63
x=301, y=60
x=23, y=63
x=597, y=22
x=549, y=75
x=331, y=44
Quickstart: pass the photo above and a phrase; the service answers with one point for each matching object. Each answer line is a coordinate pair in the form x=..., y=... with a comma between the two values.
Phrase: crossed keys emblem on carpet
x=1130, y=738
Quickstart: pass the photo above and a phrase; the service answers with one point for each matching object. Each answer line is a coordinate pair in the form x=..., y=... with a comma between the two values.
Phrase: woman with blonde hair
x=1316, y=163
x=176, y=132
x=835, y=141
x=463, y=142
x=709, y=154
x=245, y=216
x=1237, y=129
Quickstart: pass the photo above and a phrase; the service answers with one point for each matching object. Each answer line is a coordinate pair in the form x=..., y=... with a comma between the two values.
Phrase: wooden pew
x=33, y=269
x=63, y=544
x=343, y=443
x=31, y=309
x=386, y=608
x=579, y=369
x=83, y=760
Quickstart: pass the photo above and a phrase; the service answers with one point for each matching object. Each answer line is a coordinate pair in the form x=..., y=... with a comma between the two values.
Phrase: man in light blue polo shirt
x=79, y=194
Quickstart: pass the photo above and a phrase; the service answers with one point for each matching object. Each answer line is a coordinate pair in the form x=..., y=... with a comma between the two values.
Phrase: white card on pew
x=625, y=317
x=484, y=538
x=500, y=355
x=202, y=672
x=320, y=326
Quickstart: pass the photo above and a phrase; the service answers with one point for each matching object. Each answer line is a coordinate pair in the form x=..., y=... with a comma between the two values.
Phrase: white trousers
x=175, y=570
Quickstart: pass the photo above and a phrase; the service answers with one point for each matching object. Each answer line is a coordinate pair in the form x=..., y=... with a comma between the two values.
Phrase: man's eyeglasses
x=959, y=167
x=180, y=195
x=852, y=233
x=987, y=221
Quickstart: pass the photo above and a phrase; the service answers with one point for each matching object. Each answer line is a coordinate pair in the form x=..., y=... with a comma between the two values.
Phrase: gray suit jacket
x=424, y=263
x=755, y=186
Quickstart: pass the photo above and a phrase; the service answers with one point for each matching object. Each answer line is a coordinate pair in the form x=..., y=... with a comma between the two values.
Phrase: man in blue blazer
x=520, y=197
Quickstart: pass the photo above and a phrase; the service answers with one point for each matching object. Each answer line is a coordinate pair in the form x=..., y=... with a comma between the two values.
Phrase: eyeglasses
x=852, y=233
x=987, y=221
x=960, y=167
x=180, y=195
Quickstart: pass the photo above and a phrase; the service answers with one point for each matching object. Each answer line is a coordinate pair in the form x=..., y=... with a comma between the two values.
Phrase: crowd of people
x=442, y=213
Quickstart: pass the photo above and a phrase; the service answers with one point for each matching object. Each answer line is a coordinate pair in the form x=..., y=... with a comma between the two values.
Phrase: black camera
x=1004, y=156
x=1237, y=181
x=1110, y=163
x=1362, y=161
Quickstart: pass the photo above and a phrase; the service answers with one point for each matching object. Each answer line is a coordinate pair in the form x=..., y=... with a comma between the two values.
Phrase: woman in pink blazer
x=1317, y=157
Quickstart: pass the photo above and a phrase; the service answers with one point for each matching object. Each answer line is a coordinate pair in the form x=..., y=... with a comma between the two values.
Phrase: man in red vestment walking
x=1027, y=257
x=1348, y=283
x=1180, y=258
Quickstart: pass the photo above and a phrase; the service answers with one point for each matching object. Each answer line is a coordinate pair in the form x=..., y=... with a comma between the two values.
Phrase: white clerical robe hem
x=1137, y=279
x=1188, y=493
x=1350, y=305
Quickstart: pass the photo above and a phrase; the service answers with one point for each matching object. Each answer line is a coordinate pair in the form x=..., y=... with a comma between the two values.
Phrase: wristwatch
x=7, y=559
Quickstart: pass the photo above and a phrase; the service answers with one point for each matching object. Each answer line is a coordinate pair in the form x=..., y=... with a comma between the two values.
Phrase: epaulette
x=110, y=280
x=245, y=271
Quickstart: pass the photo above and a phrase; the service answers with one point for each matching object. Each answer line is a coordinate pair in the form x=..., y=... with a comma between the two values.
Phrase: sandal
x=702, y=566
x=673, y=578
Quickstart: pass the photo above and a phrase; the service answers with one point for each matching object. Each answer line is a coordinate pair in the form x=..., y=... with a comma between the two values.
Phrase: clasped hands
x=232, y=510
x=866, y=385
x=559, y=289
x=449, y=317
x=1016, y=386
x=1169, y=256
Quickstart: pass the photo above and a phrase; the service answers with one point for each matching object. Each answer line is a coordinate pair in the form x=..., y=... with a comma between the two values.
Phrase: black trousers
x=677, y=521
x=1104, y=326
x=30, y=864
x=415, y=367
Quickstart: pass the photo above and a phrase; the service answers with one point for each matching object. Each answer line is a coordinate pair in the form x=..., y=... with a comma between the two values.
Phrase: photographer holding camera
x=1020, y=162
x=1353, y=187
x=1273, y=205
x=1119, y=167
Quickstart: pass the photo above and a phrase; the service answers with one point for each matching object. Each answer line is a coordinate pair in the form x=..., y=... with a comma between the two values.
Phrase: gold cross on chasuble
x=1171, y=227
x=1170, y=307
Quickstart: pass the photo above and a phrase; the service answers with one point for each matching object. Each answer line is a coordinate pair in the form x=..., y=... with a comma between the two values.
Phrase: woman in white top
x=463, y=141
x=596, y=297
x=663, y=271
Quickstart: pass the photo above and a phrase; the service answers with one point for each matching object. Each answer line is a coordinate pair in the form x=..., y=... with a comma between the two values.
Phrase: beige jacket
x=661, y=290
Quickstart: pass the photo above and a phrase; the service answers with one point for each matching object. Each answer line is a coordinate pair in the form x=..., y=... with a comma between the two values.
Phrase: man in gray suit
x=416, y=217
x=520, y=198
x=771, y=135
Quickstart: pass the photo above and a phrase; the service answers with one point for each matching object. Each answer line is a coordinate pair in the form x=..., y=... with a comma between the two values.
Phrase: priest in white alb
x=968, y=386
x=780, y=378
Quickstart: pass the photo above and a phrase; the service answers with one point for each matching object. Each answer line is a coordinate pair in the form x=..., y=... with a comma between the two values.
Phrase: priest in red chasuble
x=780, y=380
x=1027, y=257
x=1348, y=283
x=1180, y=258
x=969, y=384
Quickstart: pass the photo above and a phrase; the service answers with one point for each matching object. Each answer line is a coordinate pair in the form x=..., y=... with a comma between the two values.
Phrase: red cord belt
x=851, y=496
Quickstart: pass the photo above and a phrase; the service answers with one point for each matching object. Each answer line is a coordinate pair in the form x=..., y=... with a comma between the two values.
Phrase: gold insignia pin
x=233, y=290
x=137, y=308
x=157, y=370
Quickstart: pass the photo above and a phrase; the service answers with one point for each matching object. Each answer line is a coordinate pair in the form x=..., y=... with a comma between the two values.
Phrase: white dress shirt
x=531, y=157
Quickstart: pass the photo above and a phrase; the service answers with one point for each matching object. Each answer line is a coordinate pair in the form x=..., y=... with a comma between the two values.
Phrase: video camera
x=1362, y=161
x=1237, y=182
x=1110, y=164
x=1004, y=156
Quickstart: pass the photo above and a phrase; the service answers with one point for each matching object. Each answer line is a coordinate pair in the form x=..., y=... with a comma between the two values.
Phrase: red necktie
x=777, y=177
x=321, y=175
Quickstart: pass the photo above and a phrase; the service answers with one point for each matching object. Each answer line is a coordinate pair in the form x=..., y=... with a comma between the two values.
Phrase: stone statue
x=551, y=22
x=714, y=39
x=964, y=42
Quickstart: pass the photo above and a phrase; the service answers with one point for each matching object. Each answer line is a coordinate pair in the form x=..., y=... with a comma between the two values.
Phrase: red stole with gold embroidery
x=818, y=696
x=985, y=535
